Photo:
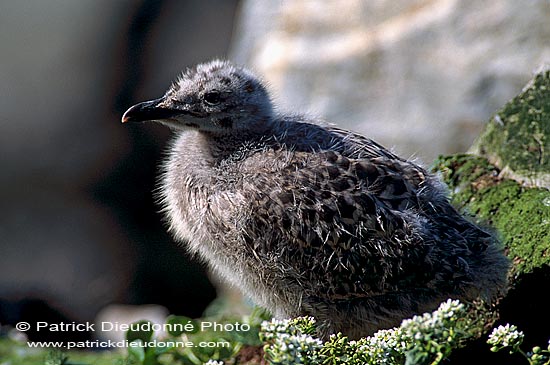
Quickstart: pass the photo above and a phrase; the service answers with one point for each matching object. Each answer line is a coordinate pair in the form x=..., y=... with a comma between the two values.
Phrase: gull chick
x=309, y=219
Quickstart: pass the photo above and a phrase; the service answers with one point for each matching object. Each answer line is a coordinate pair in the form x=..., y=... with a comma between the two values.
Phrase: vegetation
x=426, y=339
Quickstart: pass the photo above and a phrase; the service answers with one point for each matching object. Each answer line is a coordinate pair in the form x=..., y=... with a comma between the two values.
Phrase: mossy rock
x=519, y=214
x=503, y=182
x=517, y=139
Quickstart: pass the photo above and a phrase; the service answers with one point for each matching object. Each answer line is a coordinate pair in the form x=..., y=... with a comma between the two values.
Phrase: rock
x=512, y=196
x=422, y=76
x=517, y=139
x=520, y=214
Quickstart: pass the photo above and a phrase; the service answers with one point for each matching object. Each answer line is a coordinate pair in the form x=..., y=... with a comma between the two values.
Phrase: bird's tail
x=467, y=253
x=477, y=253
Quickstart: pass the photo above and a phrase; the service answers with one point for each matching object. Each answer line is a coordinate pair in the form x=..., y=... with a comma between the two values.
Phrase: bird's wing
x=343, y=223
x=356, y=146
x=361, y=145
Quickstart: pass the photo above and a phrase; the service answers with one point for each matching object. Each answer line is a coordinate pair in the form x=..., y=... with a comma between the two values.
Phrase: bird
x=308, y=219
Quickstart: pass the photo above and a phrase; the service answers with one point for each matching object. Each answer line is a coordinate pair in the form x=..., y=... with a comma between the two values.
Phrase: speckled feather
x=309, y=219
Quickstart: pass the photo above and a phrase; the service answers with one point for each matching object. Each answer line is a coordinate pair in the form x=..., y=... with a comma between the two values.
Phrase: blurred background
x=79, y=229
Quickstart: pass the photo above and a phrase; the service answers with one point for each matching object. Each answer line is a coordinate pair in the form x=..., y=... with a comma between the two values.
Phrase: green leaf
x=150, y=357
x=136, y=353
x=55, y=357
x=417, y=356
x=180, y=324
x=140, y=330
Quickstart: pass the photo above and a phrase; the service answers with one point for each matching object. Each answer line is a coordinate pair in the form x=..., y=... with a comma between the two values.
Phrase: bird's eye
x=212, y=97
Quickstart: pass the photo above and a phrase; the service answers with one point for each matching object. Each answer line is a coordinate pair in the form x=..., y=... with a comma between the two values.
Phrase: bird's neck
x=202, y=153
x=222, y=146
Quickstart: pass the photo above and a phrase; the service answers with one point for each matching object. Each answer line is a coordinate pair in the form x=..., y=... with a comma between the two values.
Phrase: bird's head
x=215, y=97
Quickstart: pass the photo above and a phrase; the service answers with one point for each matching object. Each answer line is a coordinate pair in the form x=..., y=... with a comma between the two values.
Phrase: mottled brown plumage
x=309, y=219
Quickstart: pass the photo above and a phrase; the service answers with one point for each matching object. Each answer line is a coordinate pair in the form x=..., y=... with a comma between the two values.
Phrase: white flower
x=505, y=336
x=271, y=328
x=435, y=324
x=384, y=346
x=213, y=362
x=295, y=349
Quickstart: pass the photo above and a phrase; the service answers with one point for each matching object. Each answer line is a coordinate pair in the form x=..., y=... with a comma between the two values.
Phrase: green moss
x=517, y=139
x=460, y=171
x=520, y=214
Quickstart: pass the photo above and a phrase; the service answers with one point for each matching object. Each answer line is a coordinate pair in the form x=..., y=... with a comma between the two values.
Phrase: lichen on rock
x=520, y=214
x=505, y=178
x=503, y=182
x=517, y=139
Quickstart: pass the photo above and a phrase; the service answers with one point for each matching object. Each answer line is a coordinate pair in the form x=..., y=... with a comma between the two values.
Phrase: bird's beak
x=150, y=110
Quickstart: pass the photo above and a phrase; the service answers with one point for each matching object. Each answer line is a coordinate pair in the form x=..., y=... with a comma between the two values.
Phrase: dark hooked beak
x=150, y=110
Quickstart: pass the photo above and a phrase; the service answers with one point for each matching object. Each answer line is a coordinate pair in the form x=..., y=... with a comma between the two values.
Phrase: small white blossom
x=213, y=362
x=505, y=336
x=384, y=346
x=434, y=325
x=294, y=349
x=271, y=328
x=446, y=327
